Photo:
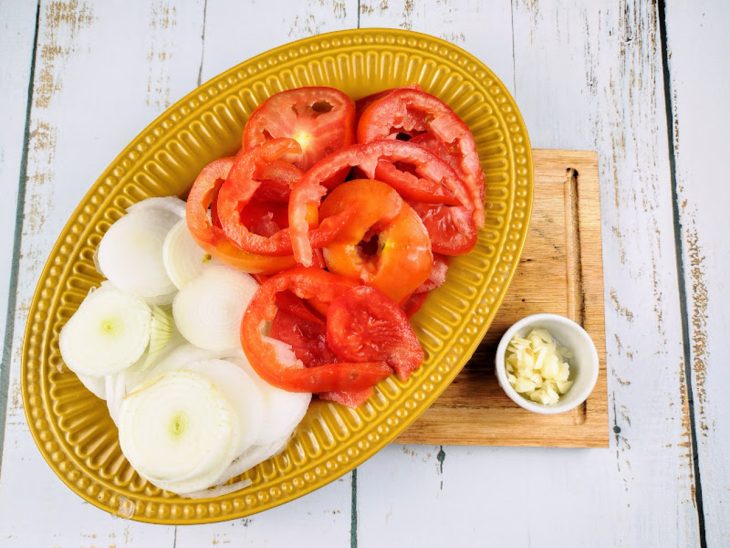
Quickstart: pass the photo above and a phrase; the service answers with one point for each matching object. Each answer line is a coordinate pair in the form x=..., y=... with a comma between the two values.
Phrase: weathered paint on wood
x=134, y=80
x=585, y=77
x=89, y=98
x=699, y=79
x=17, y=36
x=235, y=31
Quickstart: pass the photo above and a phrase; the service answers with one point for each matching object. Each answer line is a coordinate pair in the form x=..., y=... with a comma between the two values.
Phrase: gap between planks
x=681, y=268
x=17, y=242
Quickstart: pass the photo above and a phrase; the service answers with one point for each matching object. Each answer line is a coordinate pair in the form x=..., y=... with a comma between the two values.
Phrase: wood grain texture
x=560, y=272
x=700, y=86
x=586, y=76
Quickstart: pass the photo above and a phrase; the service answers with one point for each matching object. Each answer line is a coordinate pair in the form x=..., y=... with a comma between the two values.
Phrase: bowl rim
x=501, y=374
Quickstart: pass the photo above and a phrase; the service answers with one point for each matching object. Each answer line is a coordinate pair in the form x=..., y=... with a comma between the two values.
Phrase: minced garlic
x=537, y=367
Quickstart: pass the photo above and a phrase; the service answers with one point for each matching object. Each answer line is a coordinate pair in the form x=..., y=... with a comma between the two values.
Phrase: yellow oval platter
x=71, y=426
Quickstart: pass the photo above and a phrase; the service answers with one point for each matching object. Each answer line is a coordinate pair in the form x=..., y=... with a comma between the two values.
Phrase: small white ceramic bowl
x=583, y=364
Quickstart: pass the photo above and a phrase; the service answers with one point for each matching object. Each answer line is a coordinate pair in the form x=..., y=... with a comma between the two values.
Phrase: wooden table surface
x=646, y=84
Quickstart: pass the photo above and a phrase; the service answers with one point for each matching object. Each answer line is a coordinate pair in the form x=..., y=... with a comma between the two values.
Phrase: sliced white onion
x=109, y=332
x=130, y=254
x=170, y=204
x=180, y=356
x=218, y=491
x=147, y=367
x=115, y=388
x=253, y=456
x=95, y=385
x=184, y=259
x=179, y=431
x=250, y=458
x=283, y=410
x=241, y=391
x=208, y=310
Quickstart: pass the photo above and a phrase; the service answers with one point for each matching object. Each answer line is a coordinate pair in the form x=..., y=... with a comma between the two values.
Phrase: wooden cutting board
x=561, y=271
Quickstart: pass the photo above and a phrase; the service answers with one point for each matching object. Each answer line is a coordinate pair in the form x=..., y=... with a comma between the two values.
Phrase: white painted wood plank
x=699, y=45
x=237, y=30
x=234, y=32
x=102, y=72
x=483, y=28
x=586, y=76
x=17, y=31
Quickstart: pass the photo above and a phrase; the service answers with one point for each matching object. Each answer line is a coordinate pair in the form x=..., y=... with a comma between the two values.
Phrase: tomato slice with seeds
x=413, y=112
x=384, y=245
x=211, y=237
x=274, y=361
x=432, y=172
x=364, y=324
x=320, y=119
x=247, y=176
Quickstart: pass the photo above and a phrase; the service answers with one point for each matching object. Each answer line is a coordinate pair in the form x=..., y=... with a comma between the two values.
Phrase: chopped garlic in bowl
x=547, y=364
x=537, y=367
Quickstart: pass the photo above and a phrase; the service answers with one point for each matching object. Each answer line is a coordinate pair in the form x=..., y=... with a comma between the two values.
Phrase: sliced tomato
x=307, y=337
x=363, y=324
x=273, y=360
x=211, y=237
x=432, y=172
x=320, y=119
x=414, y=303
x=246, y=178
x=364, y=102
x=414, y=112
x=265, y=218
x=451, y=228
x=277, y=179
x=350, y=399
x=287, y=302
x=299, y=326
x=437, y=276
x=384, y=244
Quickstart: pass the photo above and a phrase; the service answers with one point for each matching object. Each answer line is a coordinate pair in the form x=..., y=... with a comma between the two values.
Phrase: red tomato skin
x=211, y=237
x=305, y=283
x=295, y=114
x=451, y=228
x=414, y=303
x=296, y=324
x=307, y=338
x=364, y=324
x=414, y=112
x=245, y=180
x=308, y=192
x=364, y=102
x=402, y=258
